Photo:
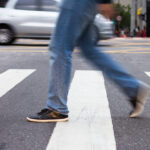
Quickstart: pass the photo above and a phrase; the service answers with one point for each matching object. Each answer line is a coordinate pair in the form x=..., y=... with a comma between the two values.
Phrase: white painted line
x=148, y=73
x=11, y=78
x=90, y=125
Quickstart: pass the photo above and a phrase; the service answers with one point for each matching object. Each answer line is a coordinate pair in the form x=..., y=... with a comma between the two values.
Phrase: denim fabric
x=75, y=26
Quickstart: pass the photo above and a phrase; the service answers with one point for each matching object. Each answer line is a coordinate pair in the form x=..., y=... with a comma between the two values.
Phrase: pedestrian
x=127, y=32
x=138, y=31
x=122, y=34
x=144, y=32
x=134, y=32
x=74, y=27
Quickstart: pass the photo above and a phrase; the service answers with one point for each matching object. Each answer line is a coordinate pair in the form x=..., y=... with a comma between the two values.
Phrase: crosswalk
x=10, y=78
x=90, y=126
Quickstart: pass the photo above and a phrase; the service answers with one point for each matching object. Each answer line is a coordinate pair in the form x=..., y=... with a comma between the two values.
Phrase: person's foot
x=46, y=115
x=139, y=102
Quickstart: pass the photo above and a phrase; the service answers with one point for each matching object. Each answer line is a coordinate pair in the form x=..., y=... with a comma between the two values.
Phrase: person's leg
x=69, y=27
x=130, y=85
x=71, y=23
x=105, y=63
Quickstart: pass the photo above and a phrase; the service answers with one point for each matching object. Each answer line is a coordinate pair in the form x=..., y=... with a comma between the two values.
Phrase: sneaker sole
x=45, y=121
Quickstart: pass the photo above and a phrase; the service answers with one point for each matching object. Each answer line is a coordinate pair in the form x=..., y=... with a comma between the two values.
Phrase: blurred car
x=37, y=18
x=104, y=27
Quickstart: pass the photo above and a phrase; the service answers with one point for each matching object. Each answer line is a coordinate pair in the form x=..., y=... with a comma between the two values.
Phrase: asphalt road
x=29, y=95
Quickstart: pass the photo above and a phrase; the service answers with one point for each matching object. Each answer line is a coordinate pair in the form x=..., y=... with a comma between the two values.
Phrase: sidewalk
x=132, y=38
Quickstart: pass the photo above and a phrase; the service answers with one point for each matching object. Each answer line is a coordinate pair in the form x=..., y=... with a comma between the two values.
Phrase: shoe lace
x=43, y=111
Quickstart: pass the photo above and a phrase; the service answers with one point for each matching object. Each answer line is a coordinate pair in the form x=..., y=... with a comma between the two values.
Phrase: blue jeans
x=76, y=28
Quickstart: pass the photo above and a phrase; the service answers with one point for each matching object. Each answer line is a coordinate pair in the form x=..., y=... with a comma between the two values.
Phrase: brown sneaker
x=46, y=115
x=140, y=100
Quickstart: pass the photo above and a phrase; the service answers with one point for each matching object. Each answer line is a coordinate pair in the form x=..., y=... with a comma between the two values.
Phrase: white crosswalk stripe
x=90, y=126
x=10, y=78
x=148, y=73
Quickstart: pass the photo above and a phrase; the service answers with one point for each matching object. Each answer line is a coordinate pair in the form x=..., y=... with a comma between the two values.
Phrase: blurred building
x=140, y=15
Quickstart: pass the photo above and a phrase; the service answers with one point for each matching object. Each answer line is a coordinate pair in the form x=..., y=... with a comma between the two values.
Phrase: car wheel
x=6, y=36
